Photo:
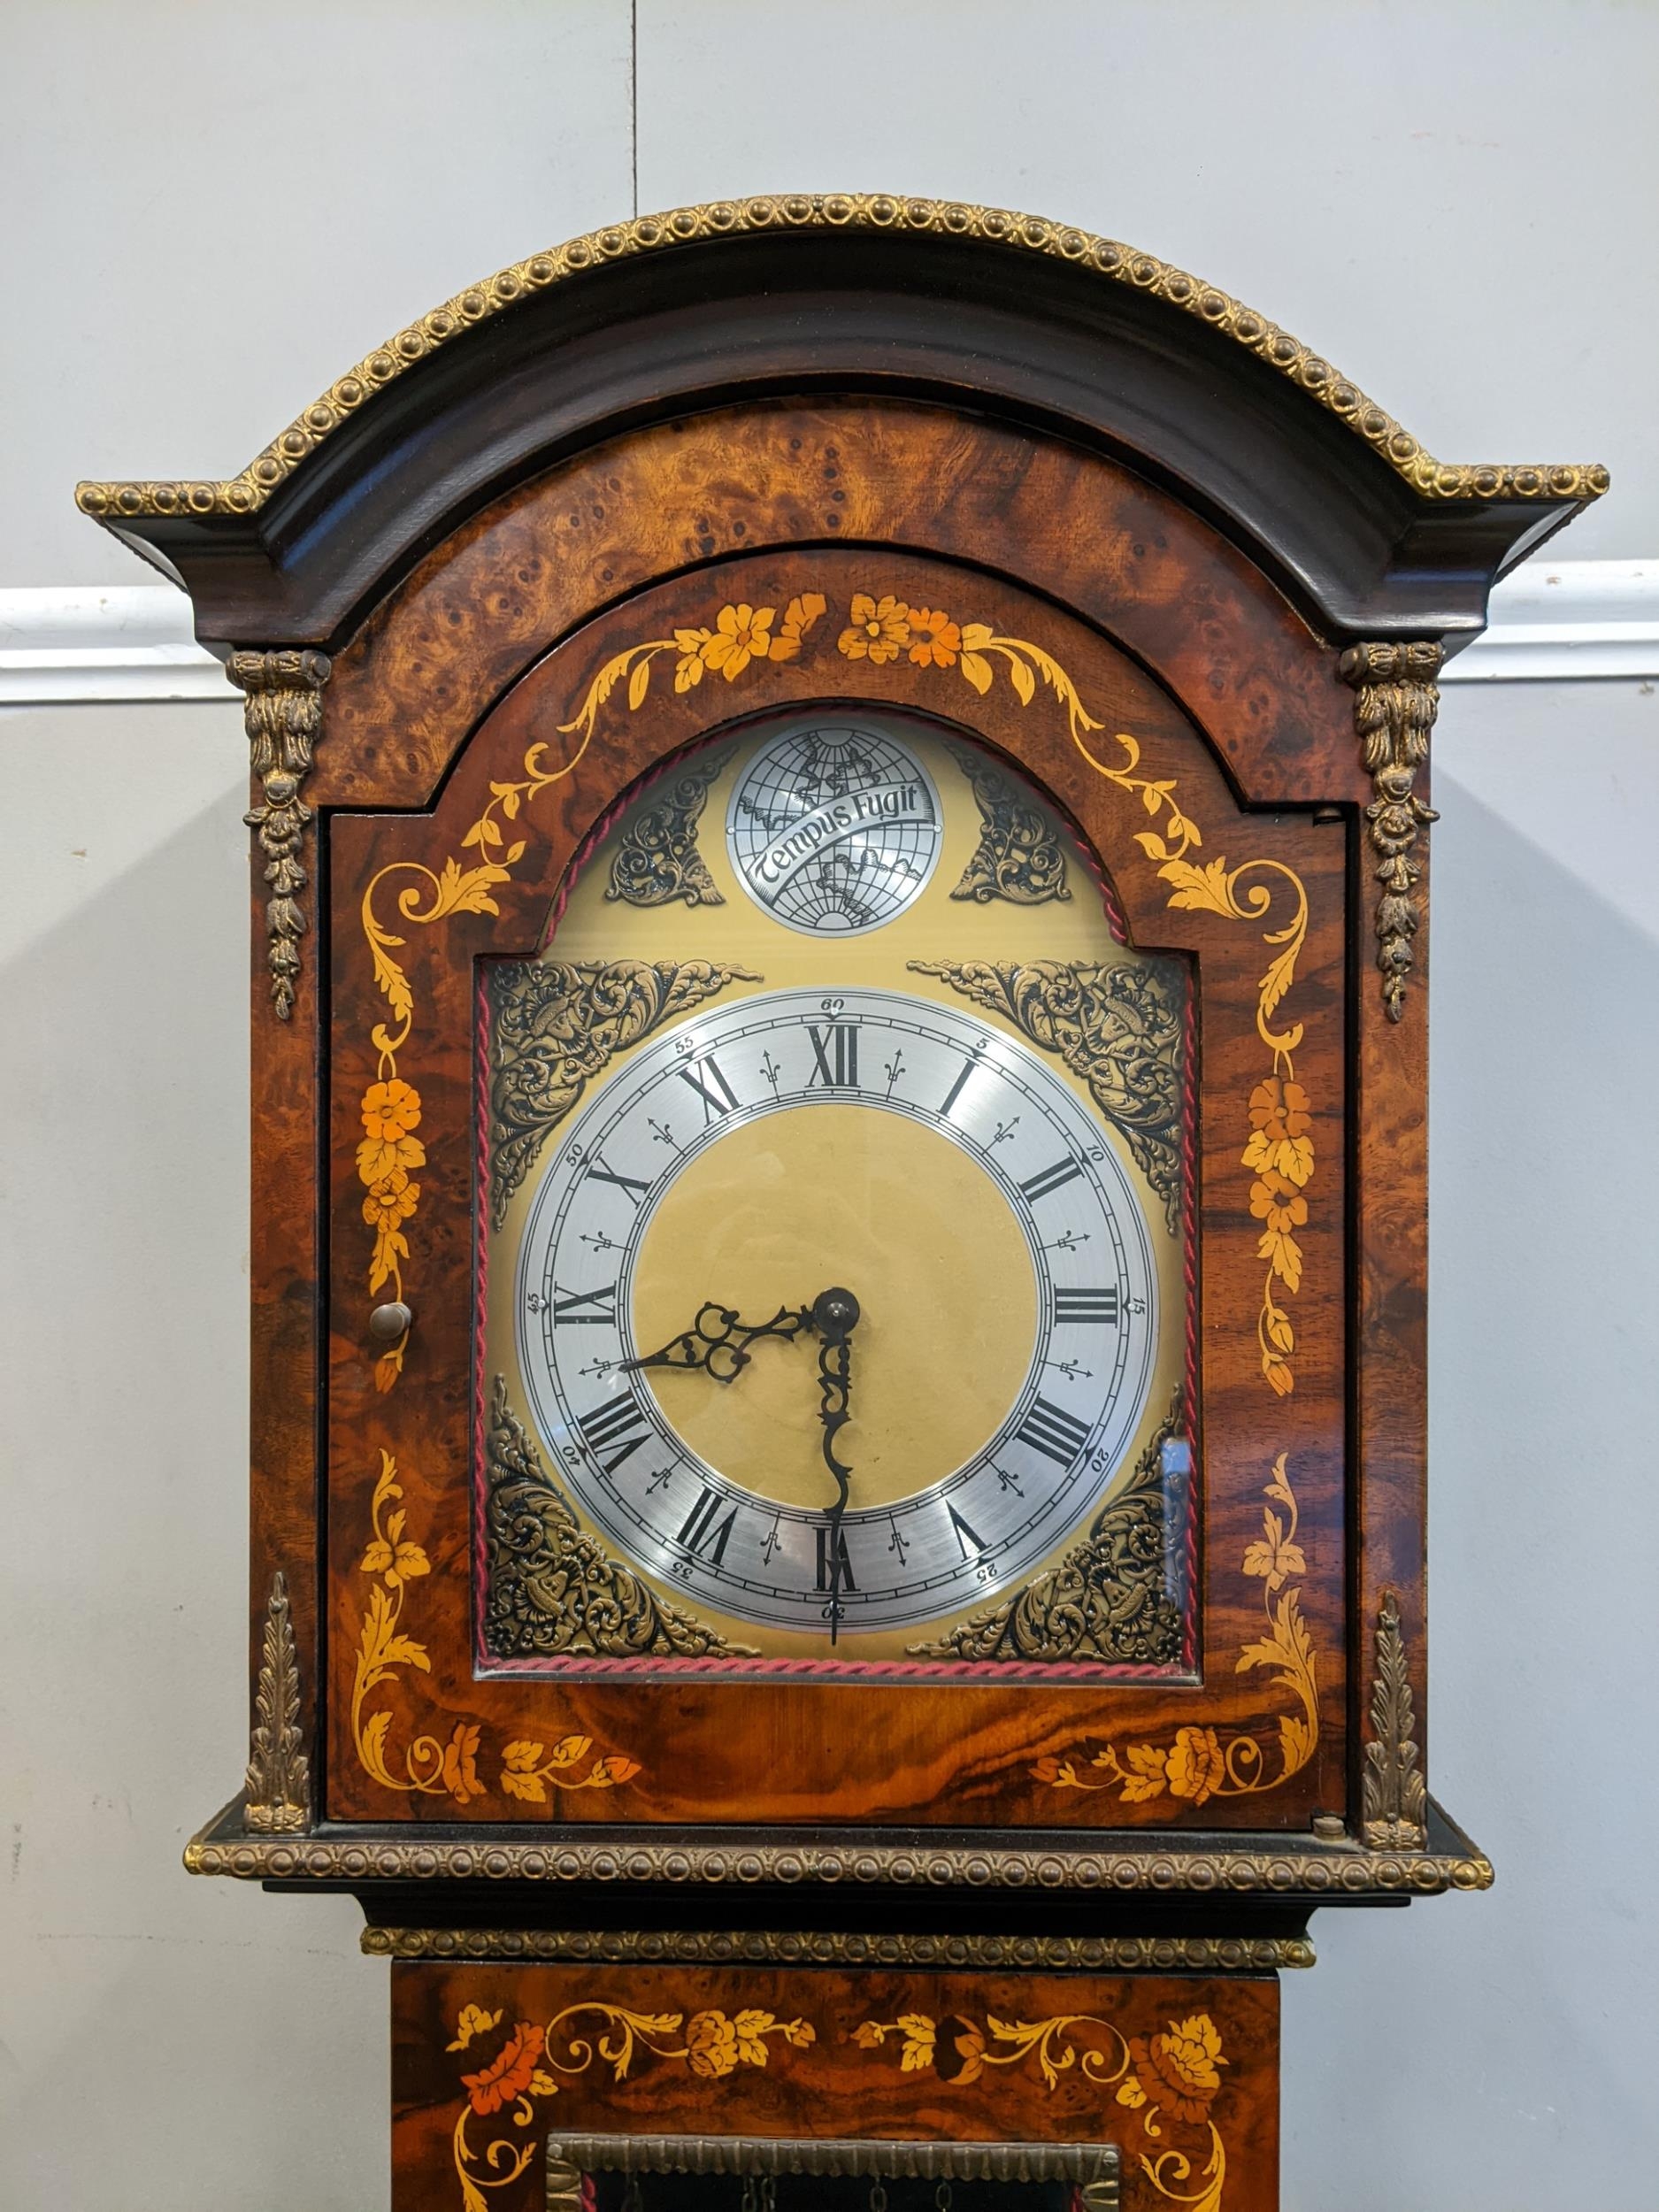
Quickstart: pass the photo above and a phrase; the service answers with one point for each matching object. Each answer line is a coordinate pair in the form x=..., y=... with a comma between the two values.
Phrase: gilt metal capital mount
x=283, y=711
x=1395, y=701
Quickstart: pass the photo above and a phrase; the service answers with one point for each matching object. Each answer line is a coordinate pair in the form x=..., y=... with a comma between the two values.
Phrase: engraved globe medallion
x=834, y=827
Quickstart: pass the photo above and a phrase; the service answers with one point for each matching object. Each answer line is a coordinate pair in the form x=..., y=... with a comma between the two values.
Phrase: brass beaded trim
x=246, y=494
x=1294, y=1871
x=830, y=1947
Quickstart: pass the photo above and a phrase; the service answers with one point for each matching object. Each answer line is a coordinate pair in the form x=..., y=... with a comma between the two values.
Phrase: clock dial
x=760, y=1153
x=835, y=1008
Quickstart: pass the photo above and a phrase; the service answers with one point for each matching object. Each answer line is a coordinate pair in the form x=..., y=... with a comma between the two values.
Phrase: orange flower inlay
x=879, y=629
x=935, y=640
x=1178, y=2071
x=509, y=2075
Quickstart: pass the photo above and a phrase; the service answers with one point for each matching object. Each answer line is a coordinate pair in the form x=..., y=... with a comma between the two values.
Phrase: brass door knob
x=390, y=1322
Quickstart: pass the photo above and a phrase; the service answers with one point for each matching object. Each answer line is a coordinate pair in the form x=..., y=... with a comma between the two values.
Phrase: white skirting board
x=1552, y=621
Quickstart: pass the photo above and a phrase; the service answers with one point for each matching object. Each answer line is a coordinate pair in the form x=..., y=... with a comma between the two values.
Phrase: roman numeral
x=613, y=1423
x=716, y=1093
x=829, y=1553
x=835, y=1055
x=703, y=1534
x=1050, y=1179
x=1086, y=1305
x=604, y=1303
x=967, y=1536
x=629, y=1185
x=969, y=1067
x=1050, y=1430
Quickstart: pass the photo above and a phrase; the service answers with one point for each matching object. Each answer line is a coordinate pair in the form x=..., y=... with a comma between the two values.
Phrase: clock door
x=836, y=1221
x=844, y=1110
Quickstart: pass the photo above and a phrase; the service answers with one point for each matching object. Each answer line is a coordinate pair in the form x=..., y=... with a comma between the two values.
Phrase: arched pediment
x=999, y=314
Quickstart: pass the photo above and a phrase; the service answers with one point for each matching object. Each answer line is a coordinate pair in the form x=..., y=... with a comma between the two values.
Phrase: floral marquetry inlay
x=431, y=1766
x=1200, y=1763
x=522, y=2066
x=1175, y=2075
x=738, y=644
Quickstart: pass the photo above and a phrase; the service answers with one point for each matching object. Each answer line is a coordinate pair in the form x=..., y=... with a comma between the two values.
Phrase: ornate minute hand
x=833, y=1316
x=717, y=1343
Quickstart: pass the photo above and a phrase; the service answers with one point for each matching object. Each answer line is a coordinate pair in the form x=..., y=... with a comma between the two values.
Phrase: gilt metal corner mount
x=279, y=1785
x=1395, y=1794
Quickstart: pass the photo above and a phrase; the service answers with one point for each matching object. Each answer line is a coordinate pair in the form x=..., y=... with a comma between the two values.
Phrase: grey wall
x=211, y=212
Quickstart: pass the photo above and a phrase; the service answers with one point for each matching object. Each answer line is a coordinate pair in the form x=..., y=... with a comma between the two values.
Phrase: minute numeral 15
x=835, y=1056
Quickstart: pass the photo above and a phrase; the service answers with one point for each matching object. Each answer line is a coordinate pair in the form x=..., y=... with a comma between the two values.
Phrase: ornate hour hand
x=834, y=1315
x=717, y=1343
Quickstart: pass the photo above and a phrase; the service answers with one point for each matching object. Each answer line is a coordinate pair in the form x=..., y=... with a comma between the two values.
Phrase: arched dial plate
x=754, y=1155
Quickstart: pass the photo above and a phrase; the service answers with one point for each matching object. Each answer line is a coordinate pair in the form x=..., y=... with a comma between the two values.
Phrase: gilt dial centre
x=840, y=1194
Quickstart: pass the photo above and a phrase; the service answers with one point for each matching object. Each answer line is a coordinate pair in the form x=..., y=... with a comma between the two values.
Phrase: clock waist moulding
x=555, y=618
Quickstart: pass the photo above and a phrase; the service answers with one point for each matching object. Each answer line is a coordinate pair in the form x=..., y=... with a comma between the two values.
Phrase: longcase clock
x=840, y=814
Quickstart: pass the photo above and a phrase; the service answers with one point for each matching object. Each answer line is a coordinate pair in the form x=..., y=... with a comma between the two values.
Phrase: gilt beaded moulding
x=825, y=1947
x=1297, y=1869
x=1107, y=257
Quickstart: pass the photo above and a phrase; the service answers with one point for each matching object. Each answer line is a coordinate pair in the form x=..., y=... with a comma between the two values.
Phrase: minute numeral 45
x=1049, y=1429
x=835, y=1056
x=601, y=1305
x=618, y=1426
x=704, y=1533
x=1086, y=1305
x=708, y=1082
